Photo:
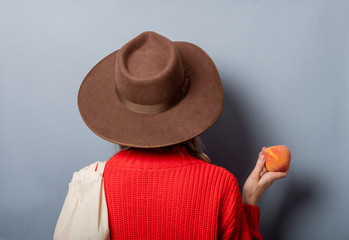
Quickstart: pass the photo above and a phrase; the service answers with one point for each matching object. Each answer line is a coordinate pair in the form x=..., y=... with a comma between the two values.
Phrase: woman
x=240, y=217
x=154, y=97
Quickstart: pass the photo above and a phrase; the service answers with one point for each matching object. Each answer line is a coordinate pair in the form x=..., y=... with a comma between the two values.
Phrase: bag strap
x=100, y=167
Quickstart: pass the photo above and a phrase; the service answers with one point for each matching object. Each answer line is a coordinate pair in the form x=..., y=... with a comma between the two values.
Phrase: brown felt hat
x=152, y=92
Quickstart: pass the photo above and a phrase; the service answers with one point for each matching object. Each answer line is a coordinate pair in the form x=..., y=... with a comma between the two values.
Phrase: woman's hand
x=259, y=181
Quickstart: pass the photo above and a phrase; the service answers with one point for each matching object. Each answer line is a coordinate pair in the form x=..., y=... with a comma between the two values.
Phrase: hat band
x=155, y=108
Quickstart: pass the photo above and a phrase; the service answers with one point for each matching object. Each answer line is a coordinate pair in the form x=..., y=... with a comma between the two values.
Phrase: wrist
x=249, y=202
x=249, y=199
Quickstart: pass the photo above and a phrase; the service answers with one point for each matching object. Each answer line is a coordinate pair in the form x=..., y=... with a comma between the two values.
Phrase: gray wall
x=284, y=67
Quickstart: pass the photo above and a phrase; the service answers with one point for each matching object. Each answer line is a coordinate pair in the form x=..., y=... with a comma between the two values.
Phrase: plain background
x=284, y=67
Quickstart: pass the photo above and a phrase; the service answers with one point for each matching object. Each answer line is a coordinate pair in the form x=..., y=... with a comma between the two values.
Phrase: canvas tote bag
x=84, y=214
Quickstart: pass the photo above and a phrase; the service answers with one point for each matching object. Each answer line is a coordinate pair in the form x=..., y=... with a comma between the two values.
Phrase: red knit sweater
x=169, y=194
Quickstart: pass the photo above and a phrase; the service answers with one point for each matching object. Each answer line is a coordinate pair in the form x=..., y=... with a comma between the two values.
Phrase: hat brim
x=108, y=118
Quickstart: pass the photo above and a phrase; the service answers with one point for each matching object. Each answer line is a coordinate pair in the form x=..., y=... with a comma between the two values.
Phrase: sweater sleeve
x=237, y=220
x=252, y=214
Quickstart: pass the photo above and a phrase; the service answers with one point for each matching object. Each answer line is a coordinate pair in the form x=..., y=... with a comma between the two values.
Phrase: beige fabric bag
x=84, y=214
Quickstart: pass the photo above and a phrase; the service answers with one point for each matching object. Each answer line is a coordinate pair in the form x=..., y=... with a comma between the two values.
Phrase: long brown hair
x=194, y=146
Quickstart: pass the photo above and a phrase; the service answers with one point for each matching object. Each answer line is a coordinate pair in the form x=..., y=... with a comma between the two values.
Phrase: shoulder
x=223, y=175
x=220, y=169
x=230, y=178
x=94, y=169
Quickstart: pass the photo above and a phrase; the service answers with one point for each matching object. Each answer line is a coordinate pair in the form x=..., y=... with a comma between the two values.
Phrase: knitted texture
x=169, y=194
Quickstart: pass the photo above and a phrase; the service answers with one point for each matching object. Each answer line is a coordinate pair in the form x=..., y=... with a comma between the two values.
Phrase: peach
x=277, y=158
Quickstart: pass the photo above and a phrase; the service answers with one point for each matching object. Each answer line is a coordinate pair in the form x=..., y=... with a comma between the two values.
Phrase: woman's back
x=168, y=194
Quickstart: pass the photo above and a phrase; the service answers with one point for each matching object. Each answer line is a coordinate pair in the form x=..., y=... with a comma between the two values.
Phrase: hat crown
x=149, y=70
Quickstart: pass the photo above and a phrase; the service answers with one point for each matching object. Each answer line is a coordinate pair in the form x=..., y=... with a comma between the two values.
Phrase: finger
x=269, y=177
x=276, y=175
x=263, y=171
x=263, y=150
x=260, y=154
x=259, y=166
x=279, y=175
